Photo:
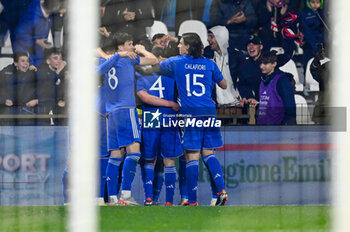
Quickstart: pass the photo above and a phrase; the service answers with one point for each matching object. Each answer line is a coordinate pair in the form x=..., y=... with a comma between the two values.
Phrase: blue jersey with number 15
x=120, y=84
x=195, y=79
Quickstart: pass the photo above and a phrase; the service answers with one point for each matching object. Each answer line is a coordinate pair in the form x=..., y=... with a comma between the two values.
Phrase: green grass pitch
x=201, y=218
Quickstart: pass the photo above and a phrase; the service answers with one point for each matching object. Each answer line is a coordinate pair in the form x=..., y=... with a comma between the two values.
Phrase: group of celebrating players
x=124, y=144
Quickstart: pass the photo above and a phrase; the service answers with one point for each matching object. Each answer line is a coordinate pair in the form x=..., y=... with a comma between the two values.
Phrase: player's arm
x=156, y=101
x=107, y=65
x=218, y=77
x=147, y=58
x=223, y=84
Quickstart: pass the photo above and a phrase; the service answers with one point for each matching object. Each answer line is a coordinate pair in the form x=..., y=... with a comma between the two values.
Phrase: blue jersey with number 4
x=157, y=85
x=120, y=84
x=195, y=79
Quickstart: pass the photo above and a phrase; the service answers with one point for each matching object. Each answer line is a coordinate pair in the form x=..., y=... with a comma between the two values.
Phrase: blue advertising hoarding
x=261, y=167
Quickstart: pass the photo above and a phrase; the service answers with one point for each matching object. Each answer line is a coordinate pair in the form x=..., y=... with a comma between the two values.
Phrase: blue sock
x=142, y=166
x=65, y=184
x=192, y=173
x=214, y=190
x=182, y=177
x=129, y=170
x=148, y=170
x=158, y=184
x=112, y=173
x=215, y=170
x=120, y=176
x=103, y=167
x=170, y=179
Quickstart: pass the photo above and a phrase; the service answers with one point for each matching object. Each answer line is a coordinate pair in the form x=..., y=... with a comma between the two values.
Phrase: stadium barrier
x=262, y=166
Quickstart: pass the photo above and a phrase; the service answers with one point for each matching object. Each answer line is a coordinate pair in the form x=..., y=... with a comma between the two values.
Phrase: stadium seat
x=290, y=67
x=157, y=27
x=4, y=61
x=279, y=50
x=50, y=37
x=302, y=110
x=298, y=50
x=310, y=83
x=7, y=48
x=197, y=27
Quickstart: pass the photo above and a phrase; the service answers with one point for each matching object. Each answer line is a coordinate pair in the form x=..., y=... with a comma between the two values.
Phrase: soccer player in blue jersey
x=109, y=49
x=195, y=78
x=157, y=94
x=123, y=126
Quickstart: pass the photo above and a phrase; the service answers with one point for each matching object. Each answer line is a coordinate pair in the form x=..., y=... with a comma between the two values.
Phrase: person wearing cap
x=248, y=65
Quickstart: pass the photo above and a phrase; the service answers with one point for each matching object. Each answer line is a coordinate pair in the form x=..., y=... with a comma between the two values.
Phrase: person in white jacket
x=218, y=38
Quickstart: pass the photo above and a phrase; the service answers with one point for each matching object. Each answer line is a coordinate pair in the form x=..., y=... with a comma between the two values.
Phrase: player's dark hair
x=146, y=43
x=17, y=55
x=158, y=36
x=108, y=44
x=49, y=51
x=158, y=51
x=119, y=38
x=268, y=57
x=196, y=46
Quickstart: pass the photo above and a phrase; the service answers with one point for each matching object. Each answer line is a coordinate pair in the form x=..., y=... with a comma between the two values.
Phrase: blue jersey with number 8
x=120, y=84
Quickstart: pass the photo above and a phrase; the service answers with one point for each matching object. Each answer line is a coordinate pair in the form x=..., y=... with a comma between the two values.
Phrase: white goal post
x=340, y=97
x=83, y=33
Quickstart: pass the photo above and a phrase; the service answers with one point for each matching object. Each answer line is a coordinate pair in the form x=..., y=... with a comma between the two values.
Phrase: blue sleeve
x=167, y=67
x=135, y=61
x=41, y=29
x=217, y=75
x=140, y=83
x=286, y=91
x=308, y=35
x=107, y=65
x=312, y=29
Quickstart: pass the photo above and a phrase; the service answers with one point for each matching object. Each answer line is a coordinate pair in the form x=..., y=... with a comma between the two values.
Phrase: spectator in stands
x=278, y=21
x=248, y=69
x=321, y=73
x=218, y=50
x=271, y=12
x=50, y=77
x=57, y=24
x=276, y=94
x=32, y=31
x=313, y=27
x=10, y=16
x=296, y=5
x=173, y=12
x=20, y=89
x=130, y=16
x=239, y=17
